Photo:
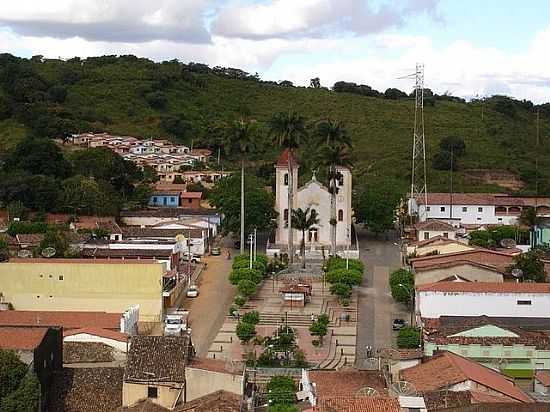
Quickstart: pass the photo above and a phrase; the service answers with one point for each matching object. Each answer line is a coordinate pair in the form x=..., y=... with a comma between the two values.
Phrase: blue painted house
x=168, y=198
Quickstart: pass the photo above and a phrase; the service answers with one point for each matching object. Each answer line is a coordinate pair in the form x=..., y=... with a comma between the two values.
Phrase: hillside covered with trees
x=193, y=103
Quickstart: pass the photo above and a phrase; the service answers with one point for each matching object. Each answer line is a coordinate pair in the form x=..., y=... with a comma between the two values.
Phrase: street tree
x=334, y=156
x=531, y=265
x=240, y=138
x=304, y=220
x=287, y=130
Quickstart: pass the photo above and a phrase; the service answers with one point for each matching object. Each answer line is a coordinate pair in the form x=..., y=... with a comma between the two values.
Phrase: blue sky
x=469, y=47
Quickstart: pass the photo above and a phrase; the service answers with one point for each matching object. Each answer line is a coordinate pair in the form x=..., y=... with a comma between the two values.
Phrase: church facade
x=316, y=196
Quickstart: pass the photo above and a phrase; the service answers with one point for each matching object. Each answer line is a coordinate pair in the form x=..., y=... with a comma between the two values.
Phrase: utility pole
x=452, y=170
x=189, y=258
x=255, y=243
x=242, y=206
x=250, y=241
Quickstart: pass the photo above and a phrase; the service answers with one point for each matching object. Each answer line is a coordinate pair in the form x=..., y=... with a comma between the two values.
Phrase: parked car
x=193, y=291
x=194, y=258
x=398, y=324
x=216, y=251
x=175, y=323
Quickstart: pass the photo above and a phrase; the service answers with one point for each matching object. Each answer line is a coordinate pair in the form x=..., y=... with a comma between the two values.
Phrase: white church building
x=315, y=196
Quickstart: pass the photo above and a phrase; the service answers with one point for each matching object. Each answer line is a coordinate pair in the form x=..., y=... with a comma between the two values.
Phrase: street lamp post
x=410, y=291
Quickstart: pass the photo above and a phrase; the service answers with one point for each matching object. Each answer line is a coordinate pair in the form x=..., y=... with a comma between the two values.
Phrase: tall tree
x=331, y=132
x=303, y=220
x=287, y=129
x=240, y=138
x=334, y=156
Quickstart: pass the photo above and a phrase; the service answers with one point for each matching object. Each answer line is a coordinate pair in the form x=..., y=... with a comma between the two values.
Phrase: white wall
x=85, y=337
x=434, y=233
x=470, y=216
x=436, y=304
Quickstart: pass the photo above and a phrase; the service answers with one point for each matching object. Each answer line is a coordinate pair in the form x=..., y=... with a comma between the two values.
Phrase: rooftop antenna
x=418, y=171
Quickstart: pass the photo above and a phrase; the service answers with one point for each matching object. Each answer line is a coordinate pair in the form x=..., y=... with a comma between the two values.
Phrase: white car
x=193, y=291
x=175, y=325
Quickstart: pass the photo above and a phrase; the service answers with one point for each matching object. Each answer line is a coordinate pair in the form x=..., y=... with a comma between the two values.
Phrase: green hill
x=189, y=102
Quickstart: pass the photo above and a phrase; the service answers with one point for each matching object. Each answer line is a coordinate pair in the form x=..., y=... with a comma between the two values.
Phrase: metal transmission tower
x=418, y=174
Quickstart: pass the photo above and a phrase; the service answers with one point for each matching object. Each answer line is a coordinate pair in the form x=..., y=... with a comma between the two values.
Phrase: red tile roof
x=283, y=159
x=439, y=240
x=71, y=261
x=103, y=333
x=21, y=338
x=191, y=195
x=213, y=365
x=68, y=320
x=485, y=287
x=498, y=260
x=435, y=225
x=483, y=199
x=543, y=377
x=345, y=383
x=449, y=369
x=359, y=404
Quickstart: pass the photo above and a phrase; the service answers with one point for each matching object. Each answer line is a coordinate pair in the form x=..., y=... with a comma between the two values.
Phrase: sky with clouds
x=468, y=47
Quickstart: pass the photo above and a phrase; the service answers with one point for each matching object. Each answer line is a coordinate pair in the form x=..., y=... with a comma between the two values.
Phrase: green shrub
x=351, y=277
x=245, y=274
x=339, y=263
x=246, y=288
x=408, y=338
x=281, y=390
x=341, y=290
x=25, y=398
x=245, y=264
x=239, y=300
x=251, y=317
x=319, y=327
x=403, y=293
x=245, y=331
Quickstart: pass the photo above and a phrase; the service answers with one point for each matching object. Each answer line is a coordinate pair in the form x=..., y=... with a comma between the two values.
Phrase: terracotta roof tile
x=126, y=253
x=543, y=377
x=449, y=369
x=285, y=156
x=483, y=199
x=67, y=320
x=498, y=260
x=435, y=225
x=21, y=338
x=359, y=404
x=485, y=287
x=87, y=352
x=86, y=390
x=191, y=195
x=157, y=358
x=345, y=383
x=219, y=401
x=214, y=365
x=72, y=261
x=30, y=238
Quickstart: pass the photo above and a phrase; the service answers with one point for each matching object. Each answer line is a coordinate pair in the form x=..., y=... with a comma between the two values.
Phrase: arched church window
x=285, y=216
x=340, y=215
x=286, y=179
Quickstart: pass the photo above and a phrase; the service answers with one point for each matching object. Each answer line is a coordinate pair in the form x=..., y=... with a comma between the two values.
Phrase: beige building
x=84, y=285
x=458, y=272
x=205, y=375
x=437, y=245
x=155, y=370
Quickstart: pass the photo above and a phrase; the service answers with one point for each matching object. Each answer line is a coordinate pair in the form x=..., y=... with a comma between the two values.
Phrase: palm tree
x=332, y=133
x=240, y=138
x=333, y=156
x=303, y=220
x=287, y=128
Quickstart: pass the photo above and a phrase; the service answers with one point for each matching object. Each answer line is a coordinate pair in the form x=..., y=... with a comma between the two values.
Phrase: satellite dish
x=508, y=243
x=402, y=388
x=499, y=363
x=517, y=273
x=48, y=252
x=24, y=253
x=366, y=391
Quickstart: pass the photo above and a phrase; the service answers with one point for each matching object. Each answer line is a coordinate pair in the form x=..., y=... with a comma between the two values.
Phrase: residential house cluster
x=169, y=160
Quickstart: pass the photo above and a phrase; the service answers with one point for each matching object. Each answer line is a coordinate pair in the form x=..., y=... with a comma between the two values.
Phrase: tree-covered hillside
x=192, y=102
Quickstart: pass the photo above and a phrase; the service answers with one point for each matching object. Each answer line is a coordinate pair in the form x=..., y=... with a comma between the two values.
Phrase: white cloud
x=109, y=20
x=315, y=18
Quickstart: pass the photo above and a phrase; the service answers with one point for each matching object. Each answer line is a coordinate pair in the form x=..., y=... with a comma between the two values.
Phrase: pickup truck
x=175, y=323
